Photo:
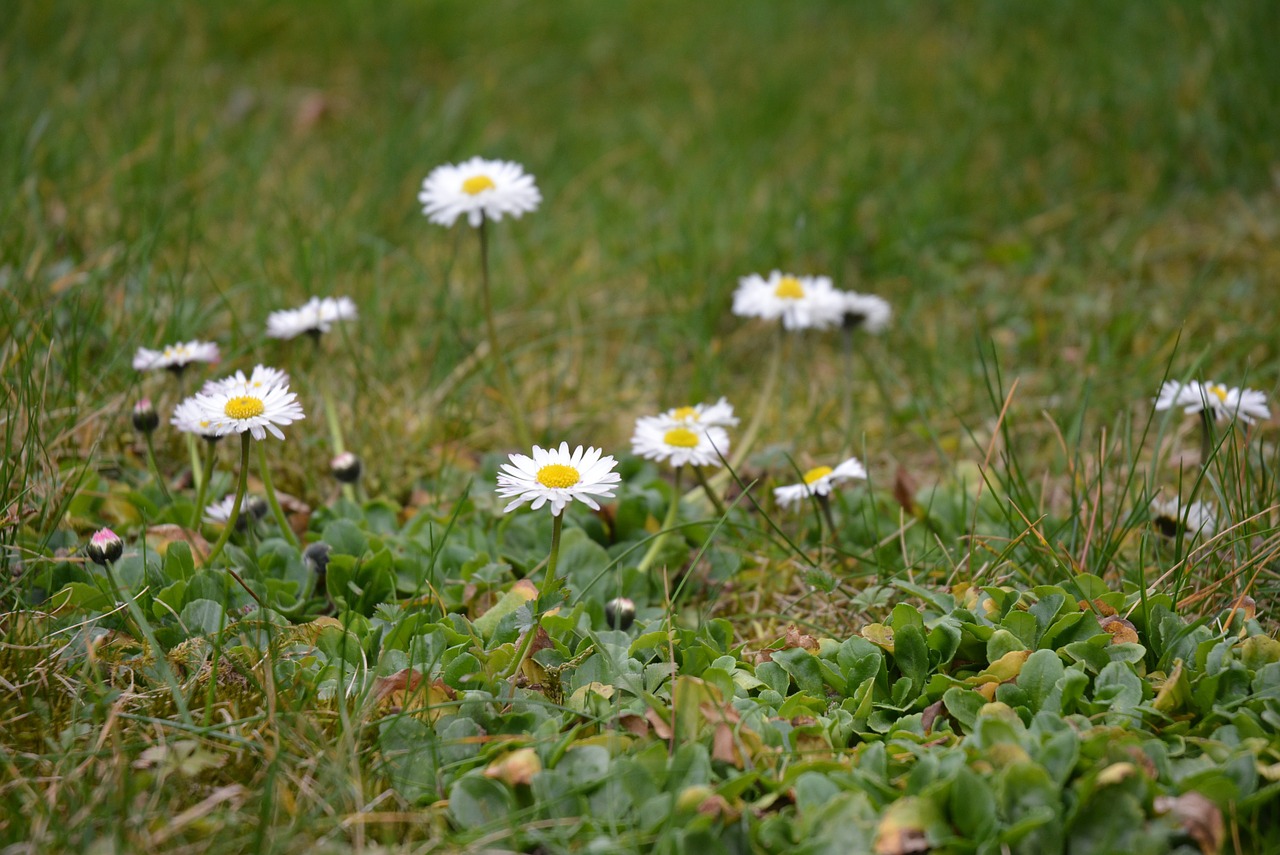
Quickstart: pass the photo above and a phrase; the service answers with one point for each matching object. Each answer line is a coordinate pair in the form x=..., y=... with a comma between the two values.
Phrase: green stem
x=241, y=488
x=507, y=384
x=335, y=435
x=195, y=460
x=667, y=525
x=155, y=467
x=711, y=493
x=202, y=485
x=264, y=472
x=1206, y=438
x=763, y=404
x=522, y=653
x=824, y=502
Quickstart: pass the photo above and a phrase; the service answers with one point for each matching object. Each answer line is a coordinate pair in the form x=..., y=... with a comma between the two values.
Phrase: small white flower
x=1247, y=405
x=1175, y=394
x=315, y=316
x=818, y=482
x=556, y=476
x=190, y=417
x=802, y=302
x=865, y=312
x=260, y=380
x=679, y=444
x=175, y=357
x=1224, y=403
x=239, y=409
x=220, y=511
x=1197, y=519
x=478, y=188
x=719, y=414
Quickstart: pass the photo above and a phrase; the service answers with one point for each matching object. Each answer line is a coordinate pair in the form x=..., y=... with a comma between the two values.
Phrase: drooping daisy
x=818, y=482
x=719, y=414
x=556, y=476
x=802, y=302
x=679, y=444
x=315, y=316
x=262, y=379
x=478, y=188
x=1247, y=405
x=175, y=357
x=1171, y=518
x=865, y=312
x=240, y=409
x=252, y=508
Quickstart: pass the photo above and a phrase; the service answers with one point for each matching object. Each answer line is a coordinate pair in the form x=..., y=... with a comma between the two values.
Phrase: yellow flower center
x=558, y=476
x=816, y=474
x=685, y=414
x=477, y=184
x=244, y=407
x=1220, y=391
x=681, y=438
x=789, y=288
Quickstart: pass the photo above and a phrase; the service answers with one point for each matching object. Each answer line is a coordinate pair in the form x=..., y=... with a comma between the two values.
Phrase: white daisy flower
x=190, y=417
x=802, y=302
x=1197, y=519
x=818, y=482
x=220, y=512
x=315, y=316
x=478, y=188
x=865, y=312
x=719, y=414
x=260, y=380
x=1175, y=394
x=240, y=409
x=679, y=444
x=1247, y=405
x=175, y=357
x=555, y=475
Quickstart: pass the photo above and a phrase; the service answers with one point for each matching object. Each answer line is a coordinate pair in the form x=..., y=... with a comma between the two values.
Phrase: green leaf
x=1039, y=679
x=178, y=563
x=203, y=616
x=963, y=705
x=972, y=805
x=1003, y=641
x=476, y=801
x=911, y=655
x=345, y=538
x=803, y=668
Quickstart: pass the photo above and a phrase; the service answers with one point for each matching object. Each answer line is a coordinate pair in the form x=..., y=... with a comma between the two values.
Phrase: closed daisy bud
x=105, y=546
x=620, y=613
x=316, y=557
x=145, y=417
x=346, y=467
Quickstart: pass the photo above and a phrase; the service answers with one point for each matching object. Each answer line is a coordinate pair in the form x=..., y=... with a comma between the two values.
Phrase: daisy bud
x=620, y=613
x=316, y=557
x=145, y=417
x=105, y=546
x=256, y=506
x=346, y=467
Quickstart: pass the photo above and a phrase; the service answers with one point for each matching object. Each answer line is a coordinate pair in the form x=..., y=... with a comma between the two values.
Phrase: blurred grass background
x=1071, y=188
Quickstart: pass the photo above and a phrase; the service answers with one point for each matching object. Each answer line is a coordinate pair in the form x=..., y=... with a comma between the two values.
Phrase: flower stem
x=155, y=467
x=195, y=460
x=335, y=435
x=763, y=404
x=1206, y=438
x=505, y=381
x=824, y=502
x=711, y=493
x=667, y=525
x=202, y=485
x=241, y=488
x=522, y=653
x=264, y=472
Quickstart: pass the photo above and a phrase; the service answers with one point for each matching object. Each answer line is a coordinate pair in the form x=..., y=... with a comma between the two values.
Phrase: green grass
x=1065, y=204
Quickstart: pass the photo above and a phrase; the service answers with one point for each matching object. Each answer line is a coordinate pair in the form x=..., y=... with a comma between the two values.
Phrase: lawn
x=1004, y=638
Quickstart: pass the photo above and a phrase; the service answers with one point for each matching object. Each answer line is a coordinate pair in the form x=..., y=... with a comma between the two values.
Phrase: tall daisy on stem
x=315, y=318
x=252, y=412
x=554, y=478
x=484, y=190
x=818, y=483
x=800, y=303
x=1214, y=402
x=175, y=358
x=681, y=444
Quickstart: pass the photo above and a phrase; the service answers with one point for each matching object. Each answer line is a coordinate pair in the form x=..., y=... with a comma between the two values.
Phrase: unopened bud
x=145, y=417
x=346, y=467
x=105, y=546
x=620, y=613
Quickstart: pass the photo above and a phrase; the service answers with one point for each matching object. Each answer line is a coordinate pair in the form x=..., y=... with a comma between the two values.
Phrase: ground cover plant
x=807, y=427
